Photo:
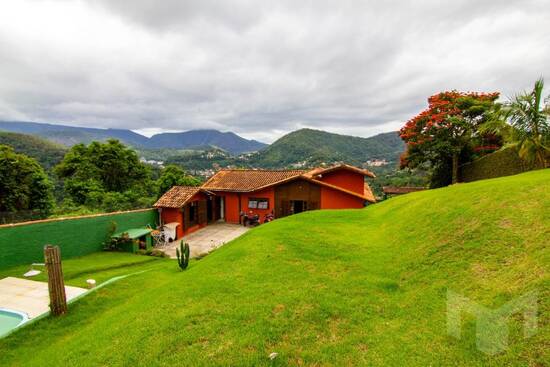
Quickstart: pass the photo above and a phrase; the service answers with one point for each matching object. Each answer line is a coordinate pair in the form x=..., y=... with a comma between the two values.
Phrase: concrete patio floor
x=208, y=238
x=30, y=296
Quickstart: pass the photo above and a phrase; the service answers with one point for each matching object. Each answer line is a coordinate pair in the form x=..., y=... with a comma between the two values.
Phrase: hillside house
x=231, y=193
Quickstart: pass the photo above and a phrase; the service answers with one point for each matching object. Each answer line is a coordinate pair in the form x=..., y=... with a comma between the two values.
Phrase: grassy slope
x=327, y=287
x=100, y=266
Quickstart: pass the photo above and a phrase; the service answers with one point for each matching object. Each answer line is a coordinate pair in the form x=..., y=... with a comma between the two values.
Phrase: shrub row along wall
x=23, y=243
x=504, y=162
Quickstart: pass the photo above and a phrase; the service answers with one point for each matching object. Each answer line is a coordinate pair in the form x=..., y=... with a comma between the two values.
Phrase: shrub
x=158, y=253
x=504, y=162
x=154, y=253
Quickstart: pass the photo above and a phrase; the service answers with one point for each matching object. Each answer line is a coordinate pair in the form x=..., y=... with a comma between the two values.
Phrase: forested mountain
x=194, y=139
x=48, y=154
x=201, y=139
x=71, y=135
x=311, y=147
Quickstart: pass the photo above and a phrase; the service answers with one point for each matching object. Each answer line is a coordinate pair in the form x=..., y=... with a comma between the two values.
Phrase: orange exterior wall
x=231, y=206
x=191, y=229
x=333, y=199
x=263, y=194
x=348, y=180
x=170, y=215
x=233, y=210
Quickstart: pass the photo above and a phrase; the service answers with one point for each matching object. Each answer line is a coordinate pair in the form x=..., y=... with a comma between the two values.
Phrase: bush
x=158, y=253
x=154, y=252
x=24, y=186
x=504, y=162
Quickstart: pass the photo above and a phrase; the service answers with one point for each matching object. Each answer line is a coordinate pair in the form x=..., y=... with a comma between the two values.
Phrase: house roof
x=177, y=197
x=320, y=170
x=246, y=180
x=368, y=194
x=249, y=180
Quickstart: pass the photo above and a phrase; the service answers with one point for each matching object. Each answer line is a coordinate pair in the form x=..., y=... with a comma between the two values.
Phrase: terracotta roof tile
x=177, y=197
x=247, y=180
x=368, y=194
x=320, y=170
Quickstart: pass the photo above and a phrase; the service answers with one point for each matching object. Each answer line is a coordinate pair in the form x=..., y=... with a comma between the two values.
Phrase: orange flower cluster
x=441, y=107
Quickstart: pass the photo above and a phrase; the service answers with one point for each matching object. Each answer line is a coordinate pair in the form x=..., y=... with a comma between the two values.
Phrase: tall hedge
x=24, y=243
x=504, y=162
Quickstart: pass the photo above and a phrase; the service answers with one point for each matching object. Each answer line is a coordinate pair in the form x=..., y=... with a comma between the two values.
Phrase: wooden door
x=202, y=212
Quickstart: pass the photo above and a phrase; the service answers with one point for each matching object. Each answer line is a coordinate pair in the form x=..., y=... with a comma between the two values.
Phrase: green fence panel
x=24, y=243
x=504, y=162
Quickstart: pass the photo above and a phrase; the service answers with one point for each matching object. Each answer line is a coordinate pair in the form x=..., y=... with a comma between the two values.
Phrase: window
x=258, y=203
x=193, y=211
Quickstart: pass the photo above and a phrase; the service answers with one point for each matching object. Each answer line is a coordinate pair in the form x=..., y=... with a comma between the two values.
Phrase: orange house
x=230, y=194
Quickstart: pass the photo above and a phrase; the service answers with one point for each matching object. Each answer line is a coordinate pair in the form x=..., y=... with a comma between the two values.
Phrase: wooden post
x=56, y=285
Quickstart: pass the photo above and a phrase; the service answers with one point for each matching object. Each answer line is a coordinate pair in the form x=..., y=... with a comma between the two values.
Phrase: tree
x=91, y=171
x=443, y=132
x=530, y=120
x=23, y=184
x=173, y=175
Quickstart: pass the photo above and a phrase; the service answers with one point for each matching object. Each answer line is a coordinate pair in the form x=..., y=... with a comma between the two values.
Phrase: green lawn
x=351, y=287
x=100, y=266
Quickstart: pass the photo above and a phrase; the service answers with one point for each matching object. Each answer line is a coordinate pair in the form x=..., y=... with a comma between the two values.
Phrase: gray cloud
x=260, y=69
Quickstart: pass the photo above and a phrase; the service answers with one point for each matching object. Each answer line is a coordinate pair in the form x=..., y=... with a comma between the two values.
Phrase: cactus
x=182, y=254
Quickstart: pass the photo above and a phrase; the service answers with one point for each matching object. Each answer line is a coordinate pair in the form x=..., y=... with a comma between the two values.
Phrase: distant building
x=152, y=162
x=376, y=162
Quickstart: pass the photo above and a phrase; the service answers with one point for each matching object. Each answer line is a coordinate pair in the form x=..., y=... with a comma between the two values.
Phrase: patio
x=208, y=238
x=29, y=296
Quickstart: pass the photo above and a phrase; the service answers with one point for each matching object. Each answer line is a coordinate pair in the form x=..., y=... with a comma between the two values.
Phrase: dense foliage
x=45, y=152
x=197, y=161
x=174, y=176
x=24, y=186
x=529, y=118
x=106, y=175
x=390, y=175
x=448, y=131
x=504, y=162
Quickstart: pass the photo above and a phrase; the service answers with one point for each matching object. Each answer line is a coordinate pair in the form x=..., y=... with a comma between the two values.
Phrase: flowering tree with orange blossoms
x=442, y=132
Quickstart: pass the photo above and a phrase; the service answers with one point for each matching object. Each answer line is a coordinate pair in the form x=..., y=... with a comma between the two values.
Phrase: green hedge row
x=504, y=162
x=24, y=243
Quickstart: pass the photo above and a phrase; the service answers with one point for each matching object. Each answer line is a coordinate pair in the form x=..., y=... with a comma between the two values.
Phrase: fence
x=504, y=162
x=23, y=243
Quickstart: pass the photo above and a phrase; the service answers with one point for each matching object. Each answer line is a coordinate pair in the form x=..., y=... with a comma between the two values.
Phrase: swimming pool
x=10, y=319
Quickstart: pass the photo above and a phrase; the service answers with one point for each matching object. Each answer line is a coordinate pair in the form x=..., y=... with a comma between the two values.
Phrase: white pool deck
x=29, y=296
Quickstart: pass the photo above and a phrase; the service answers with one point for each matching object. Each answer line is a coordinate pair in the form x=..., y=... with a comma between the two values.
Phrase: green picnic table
x=135, y=235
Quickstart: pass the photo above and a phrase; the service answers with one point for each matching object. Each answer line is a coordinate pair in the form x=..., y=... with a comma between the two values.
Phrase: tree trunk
x=455, y=168
x=56, y=286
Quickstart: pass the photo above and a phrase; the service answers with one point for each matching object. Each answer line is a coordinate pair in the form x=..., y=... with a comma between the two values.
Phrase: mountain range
x=194, y=139
x=199, y=150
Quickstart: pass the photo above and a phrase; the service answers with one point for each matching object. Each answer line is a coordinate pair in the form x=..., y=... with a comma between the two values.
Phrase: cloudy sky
x=260, y=68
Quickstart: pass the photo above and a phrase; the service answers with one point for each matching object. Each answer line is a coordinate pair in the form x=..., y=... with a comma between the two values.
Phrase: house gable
x=346, y=179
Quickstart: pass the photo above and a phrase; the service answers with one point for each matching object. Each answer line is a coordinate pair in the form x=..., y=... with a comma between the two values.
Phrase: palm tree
x=530, y=121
